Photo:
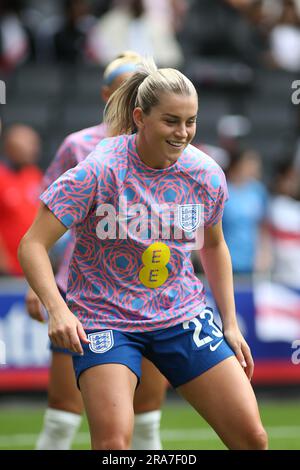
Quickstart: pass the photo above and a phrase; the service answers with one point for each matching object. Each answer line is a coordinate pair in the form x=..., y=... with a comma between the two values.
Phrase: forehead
x=177, y=104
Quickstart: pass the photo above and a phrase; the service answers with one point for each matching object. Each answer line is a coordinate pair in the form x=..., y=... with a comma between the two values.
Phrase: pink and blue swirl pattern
x=104, y=289
x=75, y=148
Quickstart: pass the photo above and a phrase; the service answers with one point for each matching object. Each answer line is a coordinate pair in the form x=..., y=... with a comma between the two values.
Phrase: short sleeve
x=220, y=198
x=72, y=195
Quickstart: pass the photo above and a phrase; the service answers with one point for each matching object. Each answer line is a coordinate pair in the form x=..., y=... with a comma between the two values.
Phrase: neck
x=147, y=156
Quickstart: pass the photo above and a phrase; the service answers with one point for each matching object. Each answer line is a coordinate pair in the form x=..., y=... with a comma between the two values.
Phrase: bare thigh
x=224, y=397
x=63, y=393
x=151, y=391
x=107, y=392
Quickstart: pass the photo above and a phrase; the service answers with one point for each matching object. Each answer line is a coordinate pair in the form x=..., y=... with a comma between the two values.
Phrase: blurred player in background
x=284, y=225
x=20, y=185
x=245, y=212
x=63, y=416
x=135, y=295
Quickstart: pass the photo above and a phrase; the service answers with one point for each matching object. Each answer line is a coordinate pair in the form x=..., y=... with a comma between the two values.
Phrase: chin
x=172, y=159
x=174, y=155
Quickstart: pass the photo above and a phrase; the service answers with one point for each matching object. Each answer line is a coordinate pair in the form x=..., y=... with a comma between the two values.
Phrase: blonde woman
x=132, y=292
x=63, y=415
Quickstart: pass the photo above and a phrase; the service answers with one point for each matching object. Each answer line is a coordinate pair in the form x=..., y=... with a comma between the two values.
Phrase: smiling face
x=165, y=132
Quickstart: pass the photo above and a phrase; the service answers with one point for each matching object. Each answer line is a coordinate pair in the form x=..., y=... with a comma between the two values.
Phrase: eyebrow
x=177, y=117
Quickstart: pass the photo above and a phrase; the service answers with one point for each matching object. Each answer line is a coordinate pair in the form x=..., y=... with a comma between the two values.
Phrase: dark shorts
x=57, y=349
x=181, y=353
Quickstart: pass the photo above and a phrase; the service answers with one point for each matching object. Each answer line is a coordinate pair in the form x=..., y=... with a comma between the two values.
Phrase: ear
x=138, y=117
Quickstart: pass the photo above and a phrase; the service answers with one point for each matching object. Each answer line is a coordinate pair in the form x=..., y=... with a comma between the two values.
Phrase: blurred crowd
x=262, y=218
x=173, y=31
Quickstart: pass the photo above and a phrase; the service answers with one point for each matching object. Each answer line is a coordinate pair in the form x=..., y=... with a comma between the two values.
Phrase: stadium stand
x=58, y=100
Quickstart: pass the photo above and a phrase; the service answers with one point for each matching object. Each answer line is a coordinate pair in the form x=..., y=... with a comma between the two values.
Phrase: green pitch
x=181, y=427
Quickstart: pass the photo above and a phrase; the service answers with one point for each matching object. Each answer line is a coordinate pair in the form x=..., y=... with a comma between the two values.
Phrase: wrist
x=231, y=324
x=53, y=305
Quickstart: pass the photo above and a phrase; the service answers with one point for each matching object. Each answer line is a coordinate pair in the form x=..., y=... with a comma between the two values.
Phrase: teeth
x=176, y=144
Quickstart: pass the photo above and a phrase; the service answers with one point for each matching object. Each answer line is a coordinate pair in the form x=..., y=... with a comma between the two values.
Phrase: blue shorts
x=57, y=349
x=181, y=353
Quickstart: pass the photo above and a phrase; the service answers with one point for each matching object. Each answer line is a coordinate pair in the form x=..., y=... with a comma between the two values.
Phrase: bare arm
x=64, y=159
x=217, y=266
x=65, y=330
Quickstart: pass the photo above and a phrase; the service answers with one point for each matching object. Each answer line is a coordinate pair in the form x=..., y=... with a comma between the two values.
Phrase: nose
x=181, y=131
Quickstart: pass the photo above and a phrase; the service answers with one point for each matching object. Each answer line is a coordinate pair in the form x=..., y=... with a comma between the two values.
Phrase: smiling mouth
x=175, y=144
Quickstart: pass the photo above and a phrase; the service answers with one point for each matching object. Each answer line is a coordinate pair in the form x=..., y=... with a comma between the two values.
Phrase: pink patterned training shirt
x=75, y=148
x=124, y=274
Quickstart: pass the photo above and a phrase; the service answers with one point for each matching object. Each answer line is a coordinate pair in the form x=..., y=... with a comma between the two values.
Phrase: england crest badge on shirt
x=189, y=216
x=101, y=342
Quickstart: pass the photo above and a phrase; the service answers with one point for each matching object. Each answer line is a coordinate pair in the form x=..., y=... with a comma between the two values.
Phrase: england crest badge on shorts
x=189, y=216
x=101, y=342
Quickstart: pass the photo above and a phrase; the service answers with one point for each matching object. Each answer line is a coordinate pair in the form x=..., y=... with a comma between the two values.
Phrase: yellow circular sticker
x=155, y=258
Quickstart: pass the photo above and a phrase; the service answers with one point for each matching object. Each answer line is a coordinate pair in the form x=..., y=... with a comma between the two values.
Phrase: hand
x=241, y=349
x=34, y=306
x=66, y=331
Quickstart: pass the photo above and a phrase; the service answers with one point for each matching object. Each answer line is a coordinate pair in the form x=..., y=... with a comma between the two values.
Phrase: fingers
x=82, y=334
x=76, y=337
x=66, y=339
x=69, y=336
x=249, y=361
x=242, y=352
x=75, y=342
x=244, y=357
x=240, y=356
